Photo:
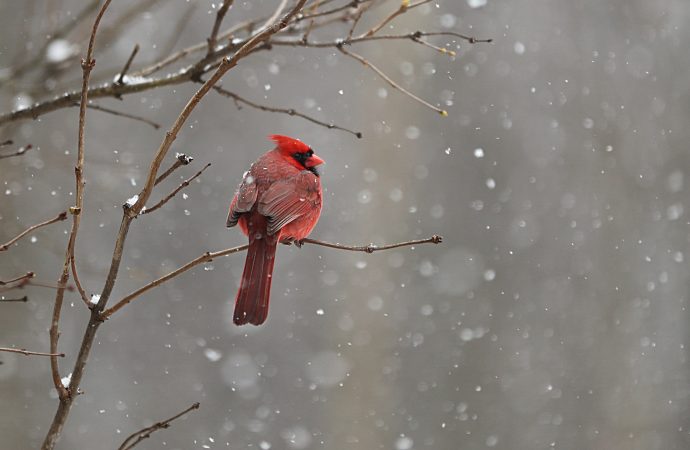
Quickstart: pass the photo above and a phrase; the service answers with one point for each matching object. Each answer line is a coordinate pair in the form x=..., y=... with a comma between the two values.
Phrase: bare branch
x=20, y=299
x=123, y=114
x=180, y=160
x=145, y=433
x=125, y=69
x=443, y=50
x=390, y=81
x=220, y=15
x=204, y=258
x=64, y=394
x=371, y=248
x=352, y=4
x=22, y=279
x=382, y=37
x=129, y=213
x=28, y=353
x=404, y=7
x=19, y=152
x=288, y=111
x=58, y=218
x=225, y=66
x=183, y=185
x=77, y=282
x=210, y=256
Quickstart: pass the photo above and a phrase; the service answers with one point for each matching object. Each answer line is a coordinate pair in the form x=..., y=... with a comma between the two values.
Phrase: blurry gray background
x=553, y=316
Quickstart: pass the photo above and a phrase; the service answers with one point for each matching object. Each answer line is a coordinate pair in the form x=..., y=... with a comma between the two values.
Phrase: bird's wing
x=244, y=199
x=289, y=199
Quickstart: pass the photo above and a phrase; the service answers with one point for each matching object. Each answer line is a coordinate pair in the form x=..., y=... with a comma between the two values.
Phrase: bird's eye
x=310, y=152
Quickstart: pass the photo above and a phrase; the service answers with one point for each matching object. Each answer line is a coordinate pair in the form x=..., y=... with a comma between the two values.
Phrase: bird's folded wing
x=242, y=202
x=288, y=200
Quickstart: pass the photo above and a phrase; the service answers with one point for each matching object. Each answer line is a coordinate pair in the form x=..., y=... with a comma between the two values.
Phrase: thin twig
x=77, y=282
x=194, y=70
x=378, y=37
x=65, y=394
x=20, y=299
x=19, y=152
x=288, y=111
x=125, y=69
x=123, y=114
x=371, y=248
x=351, y=4
x=273, y=20
x=68, y=287
x=204, y=258
x=220, y=15
x=145, y=433
x=182, y=185
x=358, y=17
x=28, y=353
x=404, y=7
x=6, y=143
x=390, y=81
x=210, y=256
x=443, y=50
x=470, y=39
x=180, y=160
x=58, y=218
x=21, y=279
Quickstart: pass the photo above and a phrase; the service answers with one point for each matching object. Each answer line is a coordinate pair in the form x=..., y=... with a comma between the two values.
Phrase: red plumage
x=279, y=200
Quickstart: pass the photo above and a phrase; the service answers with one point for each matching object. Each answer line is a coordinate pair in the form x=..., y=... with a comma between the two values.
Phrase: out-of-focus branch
x=19, y=152
x=136, y=437
x=182, y=185
x=29, y=353
x=210, y=256
x=21, y=279
x=404, y=7
x=390, y=81
x=59, y=34
x=220, y=15
x=125, y=69
x=123, y=114
x=19, y=299
x=58, y=218
x=225, y=66
x=288, y=111
x=138, y=82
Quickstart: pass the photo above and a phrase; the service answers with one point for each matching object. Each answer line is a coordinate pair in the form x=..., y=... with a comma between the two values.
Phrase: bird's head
x=297, y=152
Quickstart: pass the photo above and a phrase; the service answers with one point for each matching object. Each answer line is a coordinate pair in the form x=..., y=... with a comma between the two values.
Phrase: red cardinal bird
x=279, y=200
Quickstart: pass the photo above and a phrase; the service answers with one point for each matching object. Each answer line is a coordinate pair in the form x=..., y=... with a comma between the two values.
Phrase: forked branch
x=210, y=256
x=145, y=433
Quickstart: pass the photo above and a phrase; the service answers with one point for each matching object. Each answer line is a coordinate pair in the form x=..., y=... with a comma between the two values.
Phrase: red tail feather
x=251, y=305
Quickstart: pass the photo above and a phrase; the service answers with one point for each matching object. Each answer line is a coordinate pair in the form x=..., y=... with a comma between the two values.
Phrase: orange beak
x=314, y=161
